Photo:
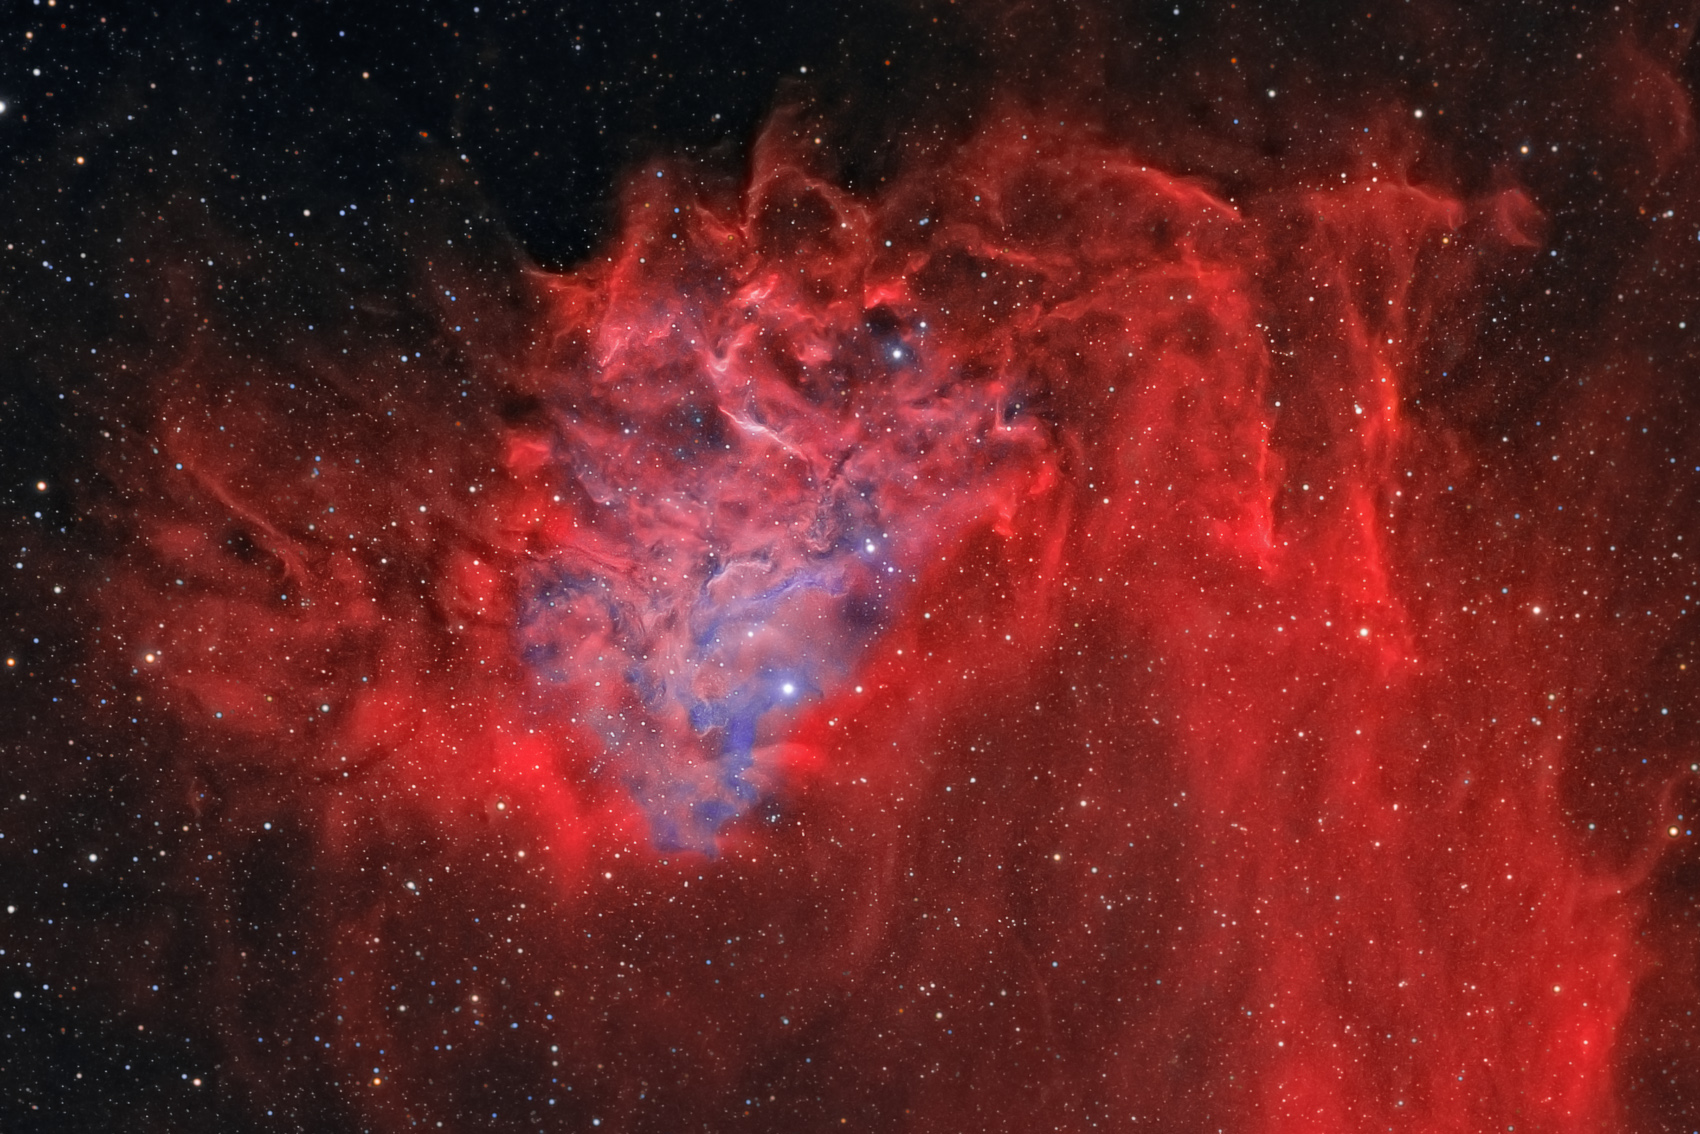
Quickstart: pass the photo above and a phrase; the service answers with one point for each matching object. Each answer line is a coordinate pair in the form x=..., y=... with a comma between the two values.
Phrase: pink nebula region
x=1050, y=642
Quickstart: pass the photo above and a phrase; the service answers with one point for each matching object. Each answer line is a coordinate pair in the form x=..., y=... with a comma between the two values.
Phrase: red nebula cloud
x=1046, y=643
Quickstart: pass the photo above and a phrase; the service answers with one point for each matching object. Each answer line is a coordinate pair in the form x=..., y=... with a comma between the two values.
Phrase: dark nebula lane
x=1093, y=618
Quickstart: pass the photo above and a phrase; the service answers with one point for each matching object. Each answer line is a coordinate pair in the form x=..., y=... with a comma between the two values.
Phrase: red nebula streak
x=1200, y=749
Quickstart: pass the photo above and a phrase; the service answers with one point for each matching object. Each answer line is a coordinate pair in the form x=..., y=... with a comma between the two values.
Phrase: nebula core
x=1055, y=639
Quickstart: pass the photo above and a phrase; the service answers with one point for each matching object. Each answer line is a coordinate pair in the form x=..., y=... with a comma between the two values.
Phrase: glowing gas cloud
x=1050, y=642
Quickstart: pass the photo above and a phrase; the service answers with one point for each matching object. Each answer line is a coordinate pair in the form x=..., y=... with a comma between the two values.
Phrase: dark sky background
x=274, y=182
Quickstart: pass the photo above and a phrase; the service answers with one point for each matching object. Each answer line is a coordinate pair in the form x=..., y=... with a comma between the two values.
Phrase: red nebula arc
x=1045, y=640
